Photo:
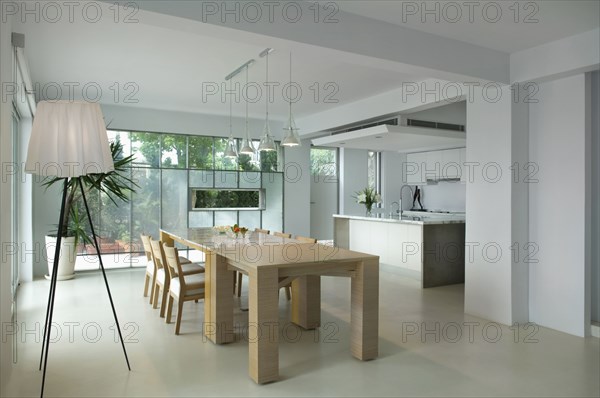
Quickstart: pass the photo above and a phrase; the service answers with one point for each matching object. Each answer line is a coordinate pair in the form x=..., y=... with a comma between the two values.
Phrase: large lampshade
x=68, y=139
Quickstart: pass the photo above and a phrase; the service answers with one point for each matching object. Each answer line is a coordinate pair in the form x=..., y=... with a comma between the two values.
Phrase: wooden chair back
x=262, y=231
x=159, y=258
x=282, y=234
x=304, y=239
x=172, y=260
x=147, y=246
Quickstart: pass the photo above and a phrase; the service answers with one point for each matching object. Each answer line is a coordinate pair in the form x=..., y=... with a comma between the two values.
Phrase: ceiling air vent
x=434, y=125
x=399, y=121
x=388, y=122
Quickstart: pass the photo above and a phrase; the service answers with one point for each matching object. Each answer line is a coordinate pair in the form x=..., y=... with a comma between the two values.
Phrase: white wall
x=324, y=202
x=445, y=196
x=296, y=203
x=353, y=178
x=557, y=210
x=6, y=76
x=25, y=208
x=392, y=178
x=489, y=269
x=595, y=271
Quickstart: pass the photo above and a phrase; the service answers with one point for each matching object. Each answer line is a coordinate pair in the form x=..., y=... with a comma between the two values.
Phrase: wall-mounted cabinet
x=435, y=165
x=414, y=167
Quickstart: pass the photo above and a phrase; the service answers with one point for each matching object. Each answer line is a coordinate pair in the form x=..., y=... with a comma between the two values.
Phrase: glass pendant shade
x=291, y=137
x=231, y=148
x=247, y=147
x=266, y=141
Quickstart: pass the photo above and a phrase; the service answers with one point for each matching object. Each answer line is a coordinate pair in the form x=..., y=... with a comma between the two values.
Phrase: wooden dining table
x=271, y=262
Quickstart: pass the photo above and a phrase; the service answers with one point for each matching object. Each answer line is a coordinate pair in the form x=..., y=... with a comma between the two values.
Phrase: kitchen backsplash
x=445, y=195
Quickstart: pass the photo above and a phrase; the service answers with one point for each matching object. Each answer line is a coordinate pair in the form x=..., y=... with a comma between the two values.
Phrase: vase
x=369, y=210
x=66, y=259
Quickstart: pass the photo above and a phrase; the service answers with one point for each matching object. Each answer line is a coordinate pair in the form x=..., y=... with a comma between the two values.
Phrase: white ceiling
x=555, y=19
x=169, y=59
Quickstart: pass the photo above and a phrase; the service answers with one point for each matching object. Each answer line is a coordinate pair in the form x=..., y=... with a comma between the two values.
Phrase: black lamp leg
x=52, y=293
x=103, y=272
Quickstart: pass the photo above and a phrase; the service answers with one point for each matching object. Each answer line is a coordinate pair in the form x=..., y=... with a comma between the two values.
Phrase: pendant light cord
x=290, y=88
x=230, y=112
x=267, y=84
x=246, y=98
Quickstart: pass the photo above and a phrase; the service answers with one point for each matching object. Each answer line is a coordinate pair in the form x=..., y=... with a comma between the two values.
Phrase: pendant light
x=266, y=140
x=247, y=146
x=231, y=148
x=290, y=137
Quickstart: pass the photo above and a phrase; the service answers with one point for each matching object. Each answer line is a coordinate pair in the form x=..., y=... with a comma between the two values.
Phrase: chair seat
x=194, y=284
x=160, y=276
x=150, y=267
x=192, y=268
x=183, y=260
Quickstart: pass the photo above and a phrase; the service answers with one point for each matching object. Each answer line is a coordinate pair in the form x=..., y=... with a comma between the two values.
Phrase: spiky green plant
x=116, y=185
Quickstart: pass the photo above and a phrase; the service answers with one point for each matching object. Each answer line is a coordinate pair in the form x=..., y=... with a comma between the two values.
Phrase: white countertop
x=411, y=218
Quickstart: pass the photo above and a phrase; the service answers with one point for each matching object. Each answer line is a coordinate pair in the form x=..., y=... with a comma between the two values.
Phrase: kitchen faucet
x=400, y=201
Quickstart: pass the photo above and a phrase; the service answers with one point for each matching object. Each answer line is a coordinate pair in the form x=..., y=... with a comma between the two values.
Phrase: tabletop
x=263, y=250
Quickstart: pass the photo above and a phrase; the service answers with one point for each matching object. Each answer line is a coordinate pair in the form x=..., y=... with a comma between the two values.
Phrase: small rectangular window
x=227, y=199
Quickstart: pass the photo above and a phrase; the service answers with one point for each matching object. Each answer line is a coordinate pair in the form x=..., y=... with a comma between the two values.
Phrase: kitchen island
x=431, y=245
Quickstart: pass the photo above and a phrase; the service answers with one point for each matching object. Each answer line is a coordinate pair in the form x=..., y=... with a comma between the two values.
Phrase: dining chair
x=150, y=278
x=163, y=279
x=238, y=285
x=182, y=287
x=237, y=276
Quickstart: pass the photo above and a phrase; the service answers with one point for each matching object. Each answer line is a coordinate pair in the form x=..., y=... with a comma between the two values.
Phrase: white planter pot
x=66, y=262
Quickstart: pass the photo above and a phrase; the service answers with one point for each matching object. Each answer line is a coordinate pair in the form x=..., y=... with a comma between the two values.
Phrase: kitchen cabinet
x=428, y=250
x=416, y=163
x=450, y=163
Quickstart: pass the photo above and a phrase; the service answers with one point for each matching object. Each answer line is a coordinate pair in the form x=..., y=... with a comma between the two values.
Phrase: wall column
x=496, y=284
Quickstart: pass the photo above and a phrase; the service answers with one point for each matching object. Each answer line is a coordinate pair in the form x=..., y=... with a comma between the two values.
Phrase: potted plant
x=116, y=185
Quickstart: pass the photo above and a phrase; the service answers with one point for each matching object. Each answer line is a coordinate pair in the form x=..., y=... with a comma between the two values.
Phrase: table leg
x=263, y=324
x=364, y=318
x=218, y=300
x=208, y=321
x=306, y=301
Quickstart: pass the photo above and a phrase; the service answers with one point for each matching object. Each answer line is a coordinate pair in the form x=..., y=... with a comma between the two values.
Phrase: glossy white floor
x=428, y=347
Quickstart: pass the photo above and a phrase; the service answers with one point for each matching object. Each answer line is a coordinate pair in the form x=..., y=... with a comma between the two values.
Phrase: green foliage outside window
x=225, y=199
x=323, y=161
x=162, y=171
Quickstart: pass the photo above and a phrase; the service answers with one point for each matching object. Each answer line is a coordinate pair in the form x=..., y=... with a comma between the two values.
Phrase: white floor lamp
x=69, y=139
